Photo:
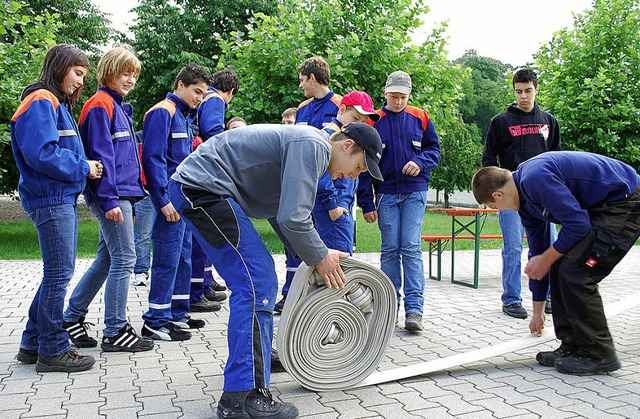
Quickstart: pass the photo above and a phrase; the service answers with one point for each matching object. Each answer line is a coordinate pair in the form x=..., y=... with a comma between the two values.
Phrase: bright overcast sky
x=507, y=30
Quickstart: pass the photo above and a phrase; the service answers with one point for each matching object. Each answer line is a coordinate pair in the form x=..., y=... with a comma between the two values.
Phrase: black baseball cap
x=369, y=140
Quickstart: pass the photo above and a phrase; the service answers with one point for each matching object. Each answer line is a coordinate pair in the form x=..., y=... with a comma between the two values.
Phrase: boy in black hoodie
x=514, y=136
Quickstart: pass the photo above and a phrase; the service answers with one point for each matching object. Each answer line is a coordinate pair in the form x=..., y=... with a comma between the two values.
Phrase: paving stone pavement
x=184, y=379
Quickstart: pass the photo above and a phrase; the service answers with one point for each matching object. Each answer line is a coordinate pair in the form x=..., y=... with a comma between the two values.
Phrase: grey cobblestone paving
x=184, y=379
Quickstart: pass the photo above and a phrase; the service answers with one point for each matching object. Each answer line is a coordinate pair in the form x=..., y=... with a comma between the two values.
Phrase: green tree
x=591, y=73
x=29, y=28
x=82, y=23
x=484, y=98
x=168, y=35
x=363, y=41
x=25, y=40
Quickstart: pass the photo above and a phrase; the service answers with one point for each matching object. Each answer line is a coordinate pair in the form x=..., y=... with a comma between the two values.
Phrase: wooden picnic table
x=465, y=228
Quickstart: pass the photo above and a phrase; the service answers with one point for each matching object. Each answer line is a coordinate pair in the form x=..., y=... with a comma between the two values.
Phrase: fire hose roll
x=332, y=339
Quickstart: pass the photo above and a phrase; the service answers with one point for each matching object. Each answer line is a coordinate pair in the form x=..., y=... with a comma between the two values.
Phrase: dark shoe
x=548, y=358
x=204, y=306
x=188, y=323
x=413, y=322
x=280, y=305
x=70, y=361
x=167, y=332
x=276, y=365
x=578, y=365
x=256, y=403
x=27, y=356
x=515, y=310
x=217, y=287
x=216, y=296
x=127, y=340
x=78, y=333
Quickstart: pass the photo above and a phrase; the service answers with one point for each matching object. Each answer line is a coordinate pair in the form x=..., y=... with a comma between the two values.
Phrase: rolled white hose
x=332, y=339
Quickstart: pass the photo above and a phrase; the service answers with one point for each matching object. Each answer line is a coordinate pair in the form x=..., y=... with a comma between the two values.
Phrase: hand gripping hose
x=332, y=339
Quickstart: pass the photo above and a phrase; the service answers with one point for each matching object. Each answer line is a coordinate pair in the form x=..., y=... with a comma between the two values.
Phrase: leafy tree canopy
x=484, y=95
x=363, y=41
x=168, y=35
x=82, y=23
x=25, y=40
x=591, y=74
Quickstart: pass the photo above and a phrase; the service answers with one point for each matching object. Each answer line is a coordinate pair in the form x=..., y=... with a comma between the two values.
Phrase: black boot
x=579, y=365
x=256, y=403
x=218, y=287
x=548, y=358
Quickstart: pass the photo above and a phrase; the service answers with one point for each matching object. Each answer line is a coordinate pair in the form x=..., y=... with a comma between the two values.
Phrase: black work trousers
x=578, y=314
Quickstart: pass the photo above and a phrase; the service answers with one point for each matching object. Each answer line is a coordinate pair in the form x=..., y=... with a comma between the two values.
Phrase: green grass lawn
x=19, y=240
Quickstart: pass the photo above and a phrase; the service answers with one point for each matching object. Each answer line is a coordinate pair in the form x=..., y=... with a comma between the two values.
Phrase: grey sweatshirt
x=272, y=172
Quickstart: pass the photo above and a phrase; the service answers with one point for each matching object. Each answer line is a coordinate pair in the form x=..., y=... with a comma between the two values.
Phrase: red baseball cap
x=362, y=102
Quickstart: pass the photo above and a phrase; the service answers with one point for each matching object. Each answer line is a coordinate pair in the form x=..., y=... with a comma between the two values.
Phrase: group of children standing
x=305, y=181
x=411, y=152
x=100, y=157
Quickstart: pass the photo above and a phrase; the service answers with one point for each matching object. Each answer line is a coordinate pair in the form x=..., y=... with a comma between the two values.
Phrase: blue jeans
x=142, y=234
x=57, y=227
x=170, y=271
x=513, y=233
x=113, y=264
x=512, y=236
x=400, y=221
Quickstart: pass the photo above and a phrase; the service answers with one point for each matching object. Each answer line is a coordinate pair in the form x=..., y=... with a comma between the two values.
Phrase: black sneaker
x=276, y=365
x=548, y=358
x=413, y=322
x=579, y=365
x=78, y=333
x=217, y=287
x=27, y=356
x=515, y=310
x=188, y=323
x=547, y=307
x=256, y=403
x=70, y=361
x=280, y=305
x=216, y=296
x=127, y=340
x=169, y=332
x=204, y=306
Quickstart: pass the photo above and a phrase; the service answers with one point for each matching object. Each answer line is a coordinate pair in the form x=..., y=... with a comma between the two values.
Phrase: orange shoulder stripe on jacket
x=209, y=95
x=336, y=99
x=305, y=103
x=100, y=100
x=166, y=104
x=40, y=94
x=418, y=113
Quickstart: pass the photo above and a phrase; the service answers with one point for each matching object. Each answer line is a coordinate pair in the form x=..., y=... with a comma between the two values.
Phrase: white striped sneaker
x=127, y=340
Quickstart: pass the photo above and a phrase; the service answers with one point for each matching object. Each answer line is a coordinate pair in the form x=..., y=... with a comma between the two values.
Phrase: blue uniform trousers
x=336, y=234
x=170, y=271
x=201, y=275
x=239, y=255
